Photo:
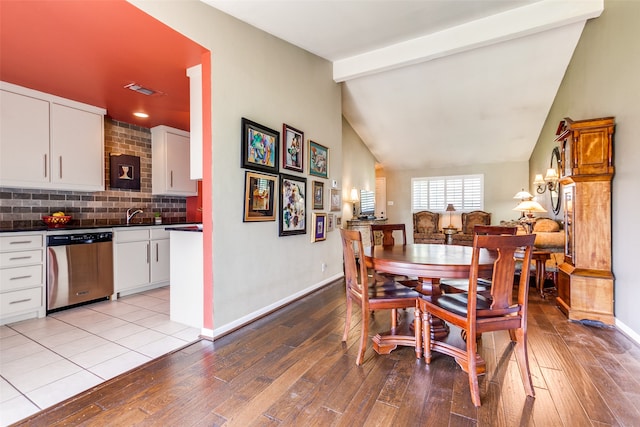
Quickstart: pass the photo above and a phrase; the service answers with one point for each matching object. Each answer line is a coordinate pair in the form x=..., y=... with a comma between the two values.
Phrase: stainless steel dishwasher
x=79, y=268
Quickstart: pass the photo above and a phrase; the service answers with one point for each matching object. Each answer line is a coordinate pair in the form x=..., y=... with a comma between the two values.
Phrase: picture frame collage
x=271, y=192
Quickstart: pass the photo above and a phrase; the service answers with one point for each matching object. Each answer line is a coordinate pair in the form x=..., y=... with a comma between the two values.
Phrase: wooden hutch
x=585, y=279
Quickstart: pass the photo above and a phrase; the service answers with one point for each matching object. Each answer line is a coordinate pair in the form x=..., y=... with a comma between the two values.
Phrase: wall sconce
x=450, y=208
x=550, y=181
x=354, y=199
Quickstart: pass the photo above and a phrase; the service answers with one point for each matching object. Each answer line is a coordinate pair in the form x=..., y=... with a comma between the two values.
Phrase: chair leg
x=417, y=329
x=347, y=321
x=364, y=333
x=473, y=371
x=394, y=318
x=426, y=336
x=523, y=361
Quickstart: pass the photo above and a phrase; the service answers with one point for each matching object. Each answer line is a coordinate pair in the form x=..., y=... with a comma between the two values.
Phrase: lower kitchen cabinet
x=141, y=259
x=22, y=278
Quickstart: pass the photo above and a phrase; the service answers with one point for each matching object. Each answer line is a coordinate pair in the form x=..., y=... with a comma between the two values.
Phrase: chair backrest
x=355, y=274
x=494, y=230
x=470, y=219
x=503, y=273
x=387, y=233
x=426, y=222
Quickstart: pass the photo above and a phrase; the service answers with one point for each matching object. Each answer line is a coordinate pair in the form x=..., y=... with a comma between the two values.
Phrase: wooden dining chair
x=475, y=313
x=387, y=233
x=462, y=285
x=391, y=296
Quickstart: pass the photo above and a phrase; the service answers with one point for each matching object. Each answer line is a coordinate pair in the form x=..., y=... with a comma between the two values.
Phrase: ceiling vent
x=141, y=89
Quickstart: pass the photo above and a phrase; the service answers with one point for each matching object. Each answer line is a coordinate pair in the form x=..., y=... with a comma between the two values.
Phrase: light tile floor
x=45, y=361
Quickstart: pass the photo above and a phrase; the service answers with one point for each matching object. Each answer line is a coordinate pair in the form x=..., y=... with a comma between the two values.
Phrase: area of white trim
x=224, y=329
x=534, y=18
x=627, y=331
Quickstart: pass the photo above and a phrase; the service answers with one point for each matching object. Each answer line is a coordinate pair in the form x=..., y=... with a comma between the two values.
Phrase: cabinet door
x=132, y=265
x=24, y=141
x=77, y=158
x=178, y=176
x=160, y=260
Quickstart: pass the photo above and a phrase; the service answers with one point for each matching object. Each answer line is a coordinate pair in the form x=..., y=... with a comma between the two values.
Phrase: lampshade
x=529, y=206
x=523, y=195
x=552, y=175
x=539, y=180
x=450, y=208
x=354, y=194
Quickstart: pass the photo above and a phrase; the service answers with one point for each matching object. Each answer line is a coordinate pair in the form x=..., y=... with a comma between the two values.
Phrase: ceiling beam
x=533, y=18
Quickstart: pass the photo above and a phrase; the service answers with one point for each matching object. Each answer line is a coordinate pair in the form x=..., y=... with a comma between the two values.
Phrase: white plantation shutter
x=465, y=192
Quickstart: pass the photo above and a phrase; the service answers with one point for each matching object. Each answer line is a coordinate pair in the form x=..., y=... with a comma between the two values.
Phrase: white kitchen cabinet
x=141, y=259
x=22, y=276
x=170, y=159
x=49, y=142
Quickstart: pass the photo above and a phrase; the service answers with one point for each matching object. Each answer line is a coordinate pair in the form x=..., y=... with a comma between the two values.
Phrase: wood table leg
x=431, y=286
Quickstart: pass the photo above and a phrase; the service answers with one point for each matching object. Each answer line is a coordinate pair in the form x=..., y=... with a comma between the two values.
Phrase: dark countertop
x=103, y=226
x=196, y=228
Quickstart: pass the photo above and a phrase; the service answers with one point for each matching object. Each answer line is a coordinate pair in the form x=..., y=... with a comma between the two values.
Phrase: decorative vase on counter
x=158, y=219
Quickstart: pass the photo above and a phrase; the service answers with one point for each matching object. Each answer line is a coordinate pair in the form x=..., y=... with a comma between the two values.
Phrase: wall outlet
x=390, y=203
x=323, y=266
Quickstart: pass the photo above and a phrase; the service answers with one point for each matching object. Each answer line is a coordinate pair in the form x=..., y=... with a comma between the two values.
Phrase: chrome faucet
x=131, y=214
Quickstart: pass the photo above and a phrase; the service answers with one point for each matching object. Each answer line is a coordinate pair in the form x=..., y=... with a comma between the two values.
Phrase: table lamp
x=450, y=208
x=523, y=196
x=528, y=207
x=354, y=199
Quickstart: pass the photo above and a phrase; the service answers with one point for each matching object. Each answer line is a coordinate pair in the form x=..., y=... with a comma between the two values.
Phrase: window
x=465, y=192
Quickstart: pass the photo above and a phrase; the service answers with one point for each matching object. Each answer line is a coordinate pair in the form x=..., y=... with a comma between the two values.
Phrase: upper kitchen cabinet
x=170, y=162
x=49, y=142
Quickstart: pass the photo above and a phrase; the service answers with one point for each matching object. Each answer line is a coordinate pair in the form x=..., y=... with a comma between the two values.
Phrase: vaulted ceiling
x=427, y=83
x=436, y=83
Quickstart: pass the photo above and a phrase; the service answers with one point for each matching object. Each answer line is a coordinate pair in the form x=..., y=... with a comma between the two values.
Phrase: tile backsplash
x=23, y=208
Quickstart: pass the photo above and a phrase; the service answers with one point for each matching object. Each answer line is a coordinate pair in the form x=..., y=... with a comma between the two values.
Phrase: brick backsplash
x=24, y=208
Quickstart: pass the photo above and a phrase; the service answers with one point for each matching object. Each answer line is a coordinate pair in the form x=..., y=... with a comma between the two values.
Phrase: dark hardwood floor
x=290, y=368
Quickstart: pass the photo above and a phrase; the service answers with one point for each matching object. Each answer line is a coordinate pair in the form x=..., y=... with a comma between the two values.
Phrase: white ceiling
x=435, y=83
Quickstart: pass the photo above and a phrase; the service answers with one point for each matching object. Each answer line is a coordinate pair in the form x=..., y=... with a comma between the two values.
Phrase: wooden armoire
x=585, y=279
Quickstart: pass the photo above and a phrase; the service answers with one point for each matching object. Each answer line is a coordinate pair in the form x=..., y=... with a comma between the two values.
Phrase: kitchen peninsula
x=186, y=294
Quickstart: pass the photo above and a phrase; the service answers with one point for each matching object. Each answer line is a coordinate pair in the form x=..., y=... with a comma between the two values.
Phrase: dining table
x=428, y=263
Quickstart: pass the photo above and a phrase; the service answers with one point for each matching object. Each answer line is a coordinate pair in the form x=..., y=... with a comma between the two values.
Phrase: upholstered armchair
x=426, y=228
x=470, y=220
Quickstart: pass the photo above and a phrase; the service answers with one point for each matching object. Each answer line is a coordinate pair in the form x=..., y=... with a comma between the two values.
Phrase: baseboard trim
x=630, y=333
x=252, y=317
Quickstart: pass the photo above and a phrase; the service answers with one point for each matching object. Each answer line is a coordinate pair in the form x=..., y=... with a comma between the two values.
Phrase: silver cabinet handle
x=20, y=277
x=148, y=252
x=20, y=301
x=20, y=242
x=60, y=167
x=45, y=166
x=15, y=258
x=171, y=179
x=157, y=252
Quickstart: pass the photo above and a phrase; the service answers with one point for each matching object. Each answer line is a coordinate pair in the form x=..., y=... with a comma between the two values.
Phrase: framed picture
x=293, y=148
x=259, y=147
x=319, y=227
x=124, y=171
x=331, y=222
x=259, y=197
x=338, y=221
x=318, y=194
x=318, y=160
x=336, y=200
x=293, y=210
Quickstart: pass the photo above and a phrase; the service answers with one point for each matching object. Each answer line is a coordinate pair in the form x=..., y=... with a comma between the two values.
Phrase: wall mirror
x=555, y=192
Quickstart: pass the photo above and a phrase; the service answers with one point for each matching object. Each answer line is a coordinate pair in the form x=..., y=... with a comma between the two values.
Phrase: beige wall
x=602, y=80
x=358, y=168
x=501, y=182
x=260, y=77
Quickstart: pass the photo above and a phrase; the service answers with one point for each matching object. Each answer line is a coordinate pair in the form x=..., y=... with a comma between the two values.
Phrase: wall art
x=259, y=197
x=293, y=210
x=259, y=147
